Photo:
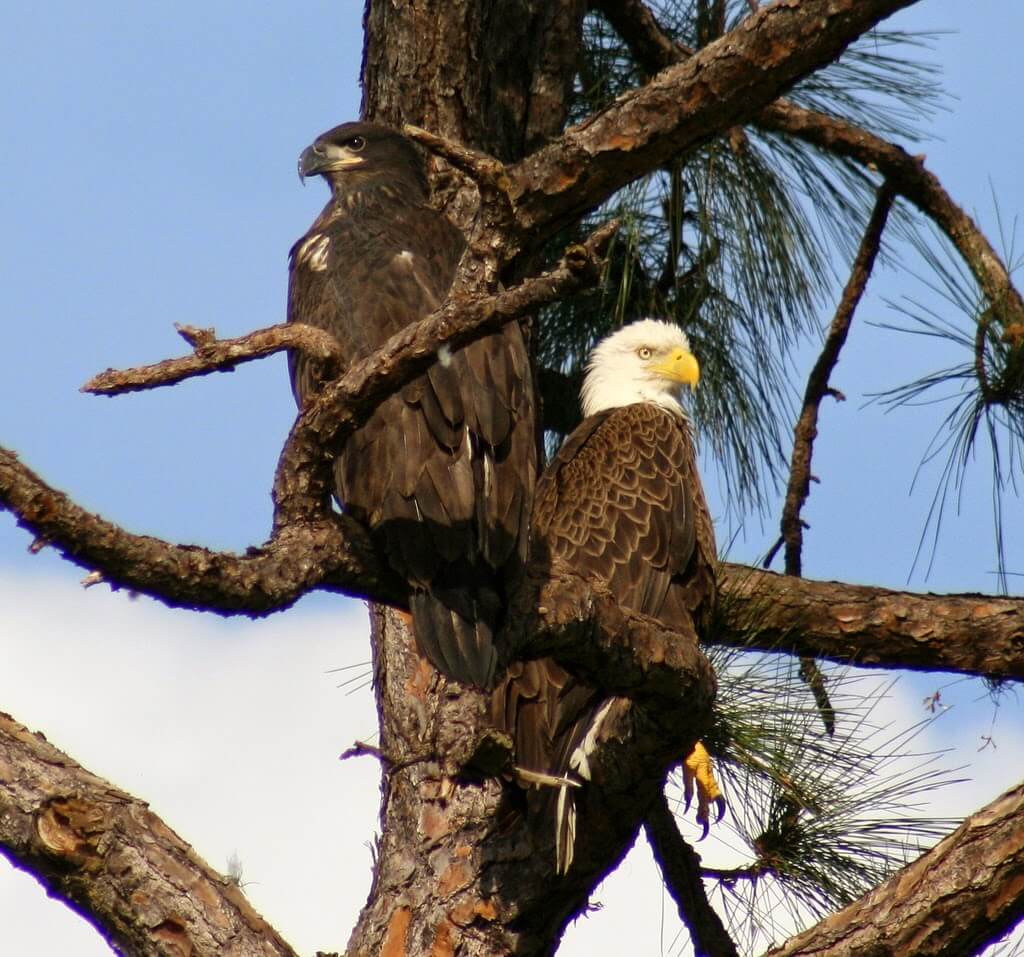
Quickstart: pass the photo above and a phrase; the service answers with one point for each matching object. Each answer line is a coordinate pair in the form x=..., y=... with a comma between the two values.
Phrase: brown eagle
x=622, y=504
x=442, y=473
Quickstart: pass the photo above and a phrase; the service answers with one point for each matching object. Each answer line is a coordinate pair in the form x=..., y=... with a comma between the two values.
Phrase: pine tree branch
x=311, y=546
x=904, y=173
x=112, y=860
x=872, y=627
x=911, y=179
x=680, y=868
x=303, y=482
x=686, y=104
x=970, y=634
x=964, y=893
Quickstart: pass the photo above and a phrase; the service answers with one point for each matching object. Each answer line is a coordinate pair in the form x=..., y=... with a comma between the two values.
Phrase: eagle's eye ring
x=644, y=352
x=354, y=143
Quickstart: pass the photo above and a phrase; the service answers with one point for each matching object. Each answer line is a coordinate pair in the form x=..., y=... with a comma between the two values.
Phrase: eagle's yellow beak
x=680, y=366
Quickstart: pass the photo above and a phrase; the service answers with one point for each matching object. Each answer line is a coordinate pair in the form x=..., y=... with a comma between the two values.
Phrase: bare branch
x=964, y=893
x=723, y=84
x=680, y=867
x=111, y=859
x=872, y=627
x=489, y=174
x=311, y=546
x=806, y=429
x=332, y=552
x=972, y=634
x=217, y=355
x=653, y=48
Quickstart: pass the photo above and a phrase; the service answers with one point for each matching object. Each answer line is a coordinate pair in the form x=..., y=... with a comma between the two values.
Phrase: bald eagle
x=442, y=474
x=621, y=504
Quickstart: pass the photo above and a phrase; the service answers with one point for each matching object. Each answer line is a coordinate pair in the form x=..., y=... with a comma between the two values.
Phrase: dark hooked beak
x=312, y=162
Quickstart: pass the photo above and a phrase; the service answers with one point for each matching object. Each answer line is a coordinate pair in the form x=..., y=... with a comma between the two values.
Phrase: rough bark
x=453, y=873
x=684, y=105
x=111, y=859
x=460, y=867
x=964, y=893
x=872, y=627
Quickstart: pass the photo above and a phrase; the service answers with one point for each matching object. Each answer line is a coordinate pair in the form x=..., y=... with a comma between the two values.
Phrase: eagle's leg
x=699, y=774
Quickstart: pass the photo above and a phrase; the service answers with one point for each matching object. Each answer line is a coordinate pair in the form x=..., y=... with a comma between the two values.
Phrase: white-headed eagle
x=622, y=504
x=442, y=474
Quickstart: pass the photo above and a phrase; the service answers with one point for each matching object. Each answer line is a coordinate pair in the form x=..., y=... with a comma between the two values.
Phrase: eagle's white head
x=646, y=361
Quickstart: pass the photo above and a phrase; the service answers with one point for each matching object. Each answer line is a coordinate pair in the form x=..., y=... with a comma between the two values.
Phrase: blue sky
x=150, y=170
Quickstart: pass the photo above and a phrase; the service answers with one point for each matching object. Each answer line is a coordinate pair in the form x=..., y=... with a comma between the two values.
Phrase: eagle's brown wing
x=442, y=473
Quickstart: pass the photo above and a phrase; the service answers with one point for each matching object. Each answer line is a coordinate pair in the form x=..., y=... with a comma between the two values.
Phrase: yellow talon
x=698, y=769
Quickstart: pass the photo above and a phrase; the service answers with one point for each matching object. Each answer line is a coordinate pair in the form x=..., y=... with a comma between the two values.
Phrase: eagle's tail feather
x=457, y=646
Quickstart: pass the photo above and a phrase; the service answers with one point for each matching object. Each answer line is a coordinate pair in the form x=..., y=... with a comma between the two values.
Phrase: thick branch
x=972, y=634
x=111, y=859
x=582, y=626
x=964, y=893
x=333, y=552
x=680, y=867
x=684, y=105
x=873, y=627
x=806, y=430
x=311, y=546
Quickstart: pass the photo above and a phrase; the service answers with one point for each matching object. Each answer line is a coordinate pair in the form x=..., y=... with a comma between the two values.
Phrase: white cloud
x=232, y=731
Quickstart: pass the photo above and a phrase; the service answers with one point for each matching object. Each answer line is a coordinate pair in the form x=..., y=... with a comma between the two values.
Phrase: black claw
x=704, y=829
x=721, y=805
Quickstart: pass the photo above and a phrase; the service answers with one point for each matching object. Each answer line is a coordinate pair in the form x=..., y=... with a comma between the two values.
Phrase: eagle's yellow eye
x=644, y=352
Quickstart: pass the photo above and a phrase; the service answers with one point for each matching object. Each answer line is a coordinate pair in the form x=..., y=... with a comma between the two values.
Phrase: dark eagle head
x=356, y=156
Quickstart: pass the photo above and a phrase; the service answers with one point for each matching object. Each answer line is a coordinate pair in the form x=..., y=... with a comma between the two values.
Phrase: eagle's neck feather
x=376, y=191
x=607, y=390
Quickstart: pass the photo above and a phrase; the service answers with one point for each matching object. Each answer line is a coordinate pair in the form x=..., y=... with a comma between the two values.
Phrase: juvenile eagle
x=442, y=473
x=622, y=504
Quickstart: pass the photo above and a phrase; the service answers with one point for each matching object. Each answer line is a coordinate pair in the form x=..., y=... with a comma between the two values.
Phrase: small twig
x=361, y=748
x=680, y=867
x=772, y=552
x=730, y=875
x=980, y=335
x=217, y=355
